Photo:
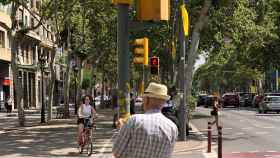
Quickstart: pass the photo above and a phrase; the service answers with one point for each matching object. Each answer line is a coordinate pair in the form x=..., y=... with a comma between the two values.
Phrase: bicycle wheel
x=89, y=144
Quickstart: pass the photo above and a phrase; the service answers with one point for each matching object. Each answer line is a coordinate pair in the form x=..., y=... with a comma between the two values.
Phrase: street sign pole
x=123, y=61
x=182, y=87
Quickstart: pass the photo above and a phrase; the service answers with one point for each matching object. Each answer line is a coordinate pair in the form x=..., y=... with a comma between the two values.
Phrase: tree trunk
x=102, y=91
x=66, y=86
x=51, y=85
x=16, y=82
x=202, y=21
x=80, y=82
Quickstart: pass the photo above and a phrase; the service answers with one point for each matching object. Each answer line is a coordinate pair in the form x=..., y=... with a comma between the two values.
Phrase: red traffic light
x=154, y=61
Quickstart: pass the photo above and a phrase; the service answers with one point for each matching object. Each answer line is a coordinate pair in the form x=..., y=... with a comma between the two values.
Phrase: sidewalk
x=58, y=138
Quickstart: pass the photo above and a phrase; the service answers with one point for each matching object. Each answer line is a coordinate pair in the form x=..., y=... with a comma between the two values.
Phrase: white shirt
x=85, y=111
x=149, y=135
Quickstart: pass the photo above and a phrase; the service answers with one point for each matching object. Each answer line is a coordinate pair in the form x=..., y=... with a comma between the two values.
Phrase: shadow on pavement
x=58, y=138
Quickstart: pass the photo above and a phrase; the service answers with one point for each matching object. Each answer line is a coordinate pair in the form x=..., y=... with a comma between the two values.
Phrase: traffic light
x=129, y=2
x=154, y=62
x=141, y=51
x=154, y=10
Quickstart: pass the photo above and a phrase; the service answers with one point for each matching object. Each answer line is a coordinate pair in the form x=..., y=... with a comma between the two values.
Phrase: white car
x=98, y=100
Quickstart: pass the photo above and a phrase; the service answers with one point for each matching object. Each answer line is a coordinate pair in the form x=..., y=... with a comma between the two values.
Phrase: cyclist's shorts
x=85, y=122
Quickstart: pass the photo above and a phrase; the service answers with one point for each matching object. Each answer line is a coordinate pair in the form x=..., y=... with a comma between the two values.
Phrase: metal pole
x=76, y=106
x=182, y=87
x=220, y=145
x=277, y=84
x=209, y=138
x=43, y=103
x=123, y=60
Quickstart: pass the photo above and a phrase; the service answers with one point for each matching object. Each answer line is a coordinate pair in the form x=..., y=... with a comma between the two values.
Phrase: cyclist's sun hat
x=156, y=90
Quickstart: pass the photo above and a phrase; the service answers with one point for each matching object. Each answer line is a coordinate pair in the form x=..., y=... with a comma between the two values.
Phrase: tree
x=16, y=34
x=241, y=38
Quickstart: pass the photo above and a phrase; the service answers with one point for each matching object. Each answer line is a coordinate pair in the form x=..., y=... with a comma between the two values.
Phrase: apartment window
x=9, y=41
x=43, y=33
x=38, y=30
x=22, y=54
x=20, y=18
x=32, y=22
x=2, y=39
x=27, y=54
x=38, y=4
x=25, y=21
x=32, y=3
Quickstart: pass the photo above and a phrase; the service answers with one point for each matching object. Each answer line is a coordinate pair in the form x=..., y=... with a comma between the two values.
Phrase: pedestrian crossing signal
x=154, y=62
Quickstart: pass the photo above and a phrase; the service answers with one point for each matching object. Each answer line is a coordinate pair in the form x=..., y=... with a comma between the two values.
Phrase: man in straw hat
x=148, y=135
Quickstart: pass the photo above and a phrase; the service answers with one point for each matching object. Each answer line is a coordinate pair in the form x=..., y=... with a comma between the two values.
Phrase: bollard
x=220, y=137
x=209, y=137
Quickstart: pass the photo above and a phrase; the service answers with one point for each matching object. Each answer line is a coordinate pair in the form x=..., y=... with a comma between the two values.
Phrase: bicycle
x=85, y=141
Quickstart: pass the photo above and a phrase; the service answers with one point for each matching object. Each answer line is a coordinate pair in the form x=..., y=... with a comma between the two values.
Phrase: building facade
x=35, y=44
x=5, y=54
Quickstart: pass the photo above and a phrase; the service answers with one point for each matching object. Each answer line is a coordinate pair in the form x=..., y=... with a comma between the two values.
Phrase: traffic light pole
x=123, y=61
x=182, y=87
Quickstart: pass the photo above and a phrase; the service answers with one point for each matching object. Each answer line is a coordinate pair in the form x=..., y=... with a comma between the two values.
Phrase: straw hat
x=156, y=90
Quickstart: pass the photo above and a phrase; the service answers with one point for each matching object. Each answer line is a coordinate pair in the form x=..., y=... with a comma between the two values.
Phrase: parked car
x=230, y=99
x=271, y=94
x=246, y=98
x=98, y=100
x=270, y=103
x=201, y=100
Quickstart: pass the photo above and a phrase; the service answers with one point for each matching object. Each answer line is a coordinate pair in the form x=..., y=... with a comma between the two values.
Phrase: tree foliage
x=241, y=41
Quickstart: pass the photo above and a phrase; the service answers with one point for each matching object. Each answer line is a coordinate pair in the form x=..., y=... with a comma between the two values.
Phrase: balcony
x=5, y=19
x=5, y=54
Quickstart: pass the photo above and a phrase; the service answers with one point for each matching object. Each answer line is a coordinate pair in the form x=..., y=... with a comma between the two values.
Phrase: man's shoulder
x=169, y=122
x=136, y=117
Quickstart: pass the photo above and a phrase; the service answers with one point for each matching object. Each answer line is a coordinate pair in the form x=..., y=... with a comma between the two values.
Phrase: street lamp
x=42, y=60
x=76, y=69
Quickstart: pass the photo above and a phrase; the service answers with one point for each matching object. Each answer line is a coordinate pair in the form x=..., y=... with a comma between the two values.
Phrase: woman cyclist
x=85, y=112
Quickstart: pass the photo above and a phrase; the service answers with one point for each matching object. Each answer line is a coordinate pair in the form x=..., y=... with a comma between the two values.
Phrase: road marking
x=268, y=127
x=247, y=128
x=235, y=152
x=261, y=133
x=240, y=133
x=267, y=114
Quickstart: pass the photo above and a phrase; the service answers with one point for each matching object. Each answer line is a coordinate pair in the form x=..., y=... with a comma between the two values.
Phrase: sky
x=200, y=61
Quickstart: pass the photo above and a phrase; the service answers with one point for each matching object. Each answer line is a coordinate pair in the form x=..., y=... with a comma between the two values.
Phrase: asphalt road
x=245, y=132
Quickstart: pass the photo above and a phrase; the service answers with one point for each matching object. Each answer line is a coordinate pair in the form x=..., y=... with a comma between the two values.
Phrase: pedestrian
x=132, y=104
x=8, y=104
x=215, y=112
x=169, y=109
x=148, y=135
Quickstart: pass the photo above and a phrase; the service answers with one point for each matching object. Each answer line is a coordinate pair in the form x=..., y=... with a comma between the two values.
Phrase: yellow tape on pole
x=185, y=17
